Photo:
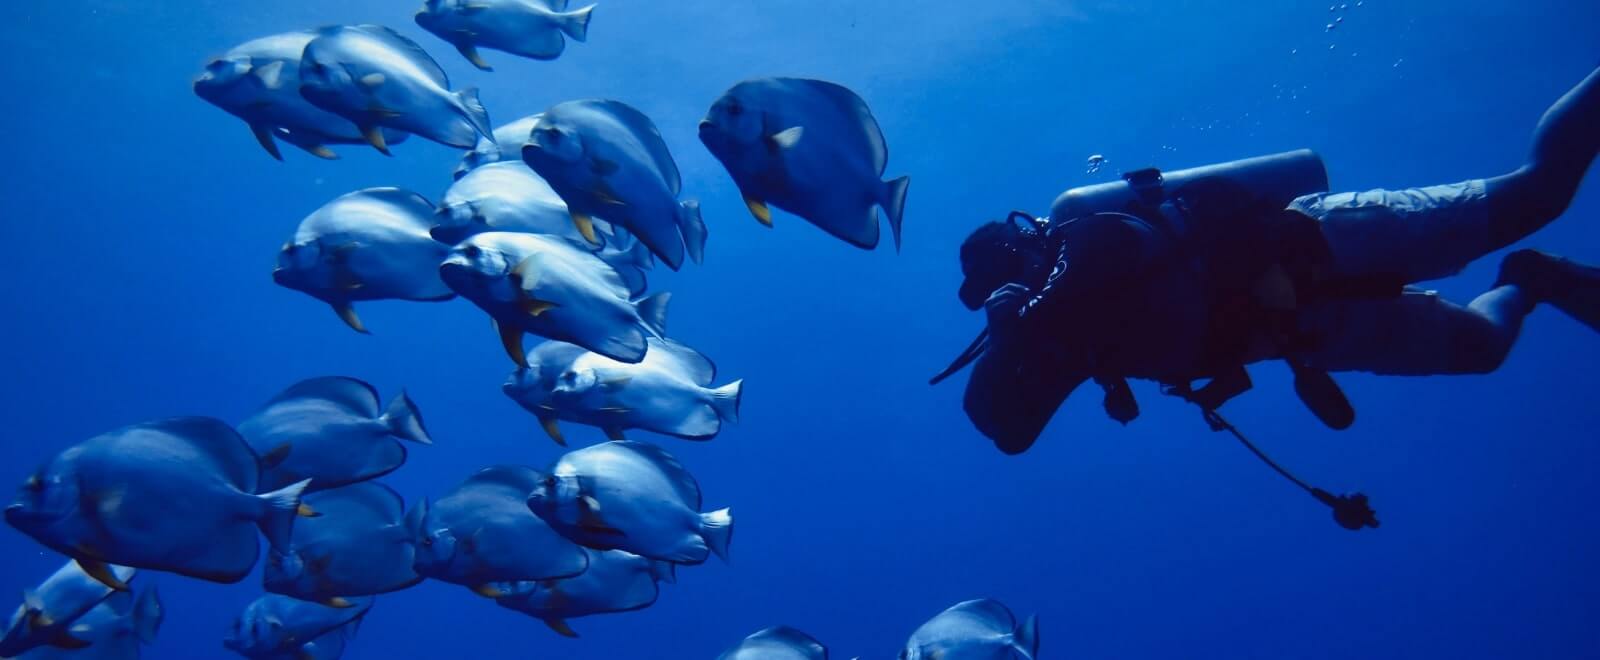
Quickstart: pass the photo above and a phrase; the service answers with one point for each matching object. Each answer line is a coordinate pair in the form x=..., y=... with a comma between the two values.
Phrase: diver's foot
x=1565, y=284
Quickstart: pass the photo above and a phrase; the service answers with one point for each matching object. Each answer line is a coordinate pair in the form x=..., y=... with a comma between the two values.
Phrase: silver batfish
x=482, y=533
x=980, y=629
x=530, y=28
x=556, y=289
x=670, y=392
x=372, y=244
x=607, y=160
x=811, y=148
x=616, y=581
x=631, y=496
x=377, y=78
x=331, y=430
x=259, y=81
x=777, y=643
x=175, y=495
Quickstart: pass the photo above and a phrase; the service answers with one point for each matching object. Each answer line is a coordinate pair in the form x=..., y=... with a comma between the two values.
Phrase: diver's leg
x=1567, y=285
x=1564, y=144
x=1416, y=334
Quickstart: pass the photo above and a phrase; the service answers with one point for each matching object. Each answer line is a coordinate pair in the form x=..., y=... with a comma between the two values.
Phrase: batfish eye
x=550, y=481
x=427, y=541
x=734, y=108
x=472, y=251
x=34, y=483
x=553, y=134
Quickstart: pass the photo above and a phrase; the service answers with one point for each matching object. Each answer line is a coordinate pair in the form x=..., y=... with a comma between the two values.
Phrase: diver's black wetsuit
x=1127, y=299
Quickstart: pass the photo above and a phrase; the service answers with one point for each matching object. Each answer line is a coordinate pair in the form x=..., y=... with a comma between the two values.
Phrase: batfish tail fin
x=576, y=23
x=716, y=528
x=475, y=113
x=693, y=229
x=653, y=311
x=726, y=400
x=280, y=507
x=894, y=205
x=147, y=616
x=404, y=420
x=1026, y=638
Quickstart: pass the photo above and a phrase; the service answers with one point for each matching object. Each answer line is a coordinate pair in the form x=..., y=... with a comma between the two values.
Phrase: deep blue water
x=143, y=224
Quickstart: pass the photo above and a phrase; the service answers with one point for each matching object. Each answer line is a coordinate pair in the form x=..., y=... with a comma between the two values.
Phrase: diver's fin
x=552, y=428
x=693, y=228
x=404, y=420
x=716, y=528
x=653, y=311
x=347, y=313
x=374, y=136
x=575, y=23
x=561, y=627
x=585, y=226
x=760, y=210
x=264, y=137
x=511, y=340
x=470, y=52
x=102, y=573
x=787, y=138
x=894, y=205
x=725, y=400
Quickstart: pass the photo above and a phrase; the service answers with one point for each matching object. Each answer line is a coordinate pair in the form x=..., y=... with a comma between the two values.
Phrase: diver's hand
x=1003, y=308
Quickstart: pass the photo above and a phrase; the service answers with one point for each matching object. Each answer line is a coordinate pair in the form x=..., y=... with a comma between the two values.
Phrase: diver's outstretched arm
x=1564, y=144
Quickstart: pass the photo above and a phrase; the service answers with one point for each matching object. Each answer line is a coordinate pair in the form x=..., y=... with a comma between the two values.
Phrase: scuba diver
x=1190, y=276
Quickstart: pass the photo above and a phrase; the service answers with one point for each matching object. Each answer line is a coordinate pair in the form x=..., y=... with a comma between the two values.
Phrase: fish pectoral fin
x=552, y=428
x=760, y=210
x=787, y=138
x=374, y=136
x=470, y=52
x=270, y=75
x=612, y=379
x=65, y=640
x=473, y=7
x=322, y=151
x=511, y=340
x=347, y=313
x=528, y=271
x=101, y=572
x=31, y=602
x=372, y=80
x=276, y=456
x=607, y=195
x=339, y=602
x=589, y=518
x=305, y=511
x=534, y=307
x=488, y=591
x=264, y=137
x=586, y=227
x=561, y=627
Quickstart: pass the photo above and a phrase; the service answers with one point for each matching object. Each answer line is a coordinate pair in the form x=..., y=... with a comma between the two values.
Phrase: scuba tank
x=1278, y=179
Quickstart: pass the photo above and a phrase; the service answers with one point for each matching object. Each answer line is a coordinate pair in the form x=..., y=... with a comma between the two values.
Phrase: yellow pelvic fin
x=586, y=227
x=552, y=428
x=511, y=339
x=759, y=209
x=347, y=313
x=488, y=591
x=101, y=572
x=339, y=602
x=374, y=137
x=561, y=627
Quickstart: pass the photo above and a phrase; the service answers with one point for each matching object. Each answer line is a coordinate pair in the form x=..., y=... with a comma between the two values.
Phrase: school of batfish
x=550, y=227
